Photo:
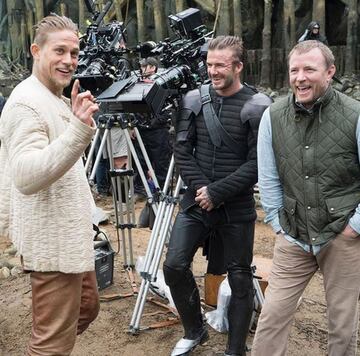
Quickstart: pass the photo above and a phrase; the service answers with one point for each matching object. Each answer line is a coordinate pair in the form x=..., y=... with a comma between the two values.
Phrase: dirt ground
x=108, y=335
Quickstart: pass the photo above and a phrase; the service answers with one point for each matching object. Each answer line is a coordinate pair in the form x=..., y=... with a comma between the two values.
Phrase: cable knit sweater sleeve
x=34, y=162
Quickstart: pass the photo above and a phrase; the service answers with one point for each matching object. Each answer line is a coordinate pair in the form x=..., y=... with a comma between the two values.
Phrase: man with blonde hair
x=45, y=207
x=309, y=180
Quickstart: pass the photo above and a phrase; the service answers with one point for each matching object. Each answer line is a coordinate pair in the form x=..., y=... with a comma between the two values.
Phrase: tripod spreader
x=122, y=172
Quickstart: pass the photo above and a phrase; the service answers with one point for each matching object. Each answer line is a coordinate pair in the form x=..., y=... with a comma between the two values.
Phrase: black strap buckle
x=205, y=99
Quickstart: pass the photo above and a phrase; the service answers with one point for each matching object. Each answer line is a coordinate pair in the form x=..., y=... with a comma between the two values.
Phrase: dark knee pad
x=241, y=283
x=175, y=276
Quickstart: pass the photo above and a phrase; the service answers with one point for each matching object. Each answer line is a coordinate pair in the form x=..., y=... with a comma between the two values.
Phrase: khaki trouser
x=292, y=270
x=63, y=305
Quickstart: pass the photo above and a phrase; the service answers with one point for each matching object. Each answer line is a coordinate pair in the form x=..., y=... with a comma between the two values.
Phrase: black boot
x=240, y=311
x=187, y=301
x=243, y=354
x=186, y=298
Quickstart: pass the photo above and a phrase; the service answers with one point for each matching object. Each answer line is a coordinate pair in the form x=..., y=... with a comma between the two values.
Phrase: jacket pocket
x=287, y=216
x=338, y=207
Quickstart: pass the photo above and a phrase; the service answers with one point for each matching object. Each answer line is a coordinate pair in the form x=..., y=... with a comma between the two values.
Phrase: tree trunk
x=140, y=20
x=24, y=42
x=351, y=38
x=289, y=25
x=118, y=5
x=158, y=19
x=13, y=31
x=29, y=20
x=39, y=10
x=237, y=18
x=3, y=20
x=266, y=45
x=179, y=5
x=223, y=27
x=318, y=13
x=209, y=6
x=82, y=26
x=64, y=10
x=107, y=18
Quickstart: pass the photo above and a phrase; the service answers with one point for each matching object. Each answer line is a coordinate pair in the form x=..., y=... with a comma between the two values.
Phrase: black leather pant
x=189, y=232
x=157, y=145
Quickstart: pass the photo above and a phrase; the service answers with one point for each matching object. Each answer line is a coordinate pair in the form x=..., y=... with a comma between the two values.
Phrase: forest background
x=269, y=28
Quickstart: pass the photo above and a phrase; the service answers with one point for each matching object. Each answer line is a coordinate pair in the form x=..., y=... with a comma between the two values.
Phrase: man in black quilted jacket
x=215, y=152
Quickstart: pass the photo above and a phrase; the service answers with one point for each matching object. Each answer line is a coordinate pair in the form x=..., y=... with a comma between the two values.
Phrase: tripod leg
x=138, y=166
x=92, y=150
x=147, y=160
x=128, y=216
x=113, y=183
x=258, y=292
x=169, y=175
x=159, y=222
x=98, y=157
x=153, y=254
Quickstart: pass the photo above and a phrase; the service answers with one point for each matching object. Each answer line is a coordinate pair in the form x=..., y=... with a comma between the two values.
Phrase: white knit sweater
x=45, y=200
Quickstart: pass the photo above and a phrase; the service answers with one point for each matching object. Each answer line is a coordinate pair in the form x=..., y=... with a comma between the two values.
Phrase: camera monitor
x=186, y=21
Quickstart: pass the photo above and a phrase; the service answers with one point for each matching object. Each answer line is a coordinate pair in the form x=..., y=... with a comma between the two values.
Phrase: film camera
x=183, y=59
x=101, y=58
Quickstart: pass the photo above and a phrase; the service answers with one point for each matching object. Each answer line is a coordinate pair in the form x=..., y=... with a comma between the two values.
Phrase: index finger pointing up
x=75, y=90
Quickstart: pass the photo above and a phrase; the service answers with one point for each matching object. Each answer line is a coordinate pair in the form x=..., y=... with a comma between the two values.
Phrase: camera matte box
x=186, y=21
x=104, y=264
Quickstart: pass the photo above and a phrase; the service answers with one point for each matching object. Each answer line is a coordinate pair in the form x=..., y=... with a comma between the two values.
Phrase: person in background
x=313, y=33
x=309, y=181
x=45, y=198
x=118, y=140
x=148, y=67
x=155, y=136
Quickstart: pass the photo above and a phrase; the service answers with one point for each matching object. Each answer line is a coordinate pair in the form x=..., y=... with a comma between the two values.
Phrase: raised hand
x=83, y=104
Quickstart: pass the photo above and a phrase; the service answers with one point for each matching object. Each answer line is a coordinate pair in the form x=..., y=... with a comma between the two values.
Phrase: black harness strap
x=211, y=120
x=216, y=130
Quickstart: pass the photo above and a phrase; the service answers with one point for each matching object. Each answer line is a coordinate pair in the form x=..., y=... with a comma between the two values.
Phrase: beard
x=223, y=83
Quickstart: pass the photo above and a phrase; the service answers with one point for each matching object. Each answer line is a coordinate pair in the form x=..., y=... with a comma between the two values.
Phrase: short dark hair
x=149, y=61
x=233, y=42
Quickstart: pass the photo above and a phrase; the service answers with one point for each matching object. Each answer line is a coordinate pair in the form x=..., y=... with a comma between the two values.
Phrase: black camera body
x=101, y=58
x=184, y=59
x=186, y=22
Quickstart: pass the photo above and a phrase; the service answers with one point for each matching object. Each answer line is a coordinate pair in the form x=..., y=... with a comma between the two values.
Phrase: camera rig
x=101, y=58
x=185, y=69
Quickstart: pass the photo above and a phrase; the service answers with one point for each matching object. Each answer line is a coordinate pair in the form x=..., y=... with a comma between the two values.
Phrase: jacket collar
x=319, y=103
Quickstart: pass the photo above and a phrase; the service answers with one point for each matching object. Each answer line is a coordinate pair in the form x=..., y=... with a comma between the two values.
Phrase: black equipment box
x=104, y=263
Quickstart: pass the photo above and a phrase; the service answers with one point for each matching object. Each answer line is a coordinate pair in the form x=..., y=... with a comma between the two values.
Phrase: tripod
x=125, y=220
x=161, y=229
